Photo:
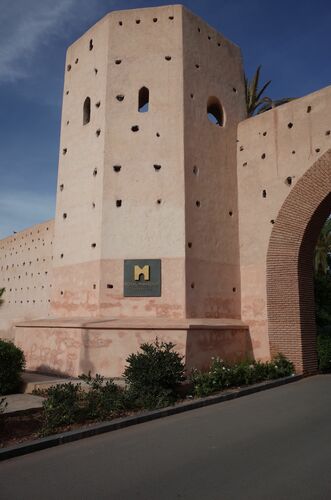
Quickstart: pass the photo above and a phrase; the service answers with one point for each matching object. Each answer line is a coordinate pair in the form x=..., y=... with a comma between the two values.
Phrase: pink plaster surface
x=75, y=347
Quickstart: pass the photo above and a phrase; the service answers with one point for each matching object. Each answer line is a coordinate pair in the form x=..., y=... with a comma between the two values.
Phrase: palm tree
x=323, y=249
x=2, y=291
x=255, y=103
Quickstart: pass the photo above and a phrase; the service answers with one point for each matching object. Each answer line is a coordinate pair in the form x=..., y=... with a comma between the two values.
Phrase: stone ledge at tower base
x=70, y=347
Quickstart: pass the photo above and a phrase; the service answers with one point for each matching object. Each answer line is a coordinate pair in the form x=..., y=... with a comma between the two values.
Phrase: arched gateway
x=290, y=286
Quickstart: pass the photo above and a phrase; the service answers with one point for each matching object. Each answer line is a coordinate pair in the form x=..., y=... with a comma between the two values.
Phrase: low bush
x=12, y=363
x=154, y=374
x=66, y=404
x=103, y=399
x=222, y=375
x=324, y=352
x=62, y=406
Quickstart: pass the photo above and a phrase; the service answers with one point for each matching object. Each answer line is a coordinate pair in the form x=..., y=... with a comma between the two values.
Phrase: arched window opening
x=87, y=111
x=143, y=100
x=215, y=112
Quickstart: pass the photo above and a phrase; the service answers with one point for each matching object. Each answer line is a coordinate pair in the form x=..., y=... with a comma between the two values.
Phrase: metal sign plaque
x=142, y=278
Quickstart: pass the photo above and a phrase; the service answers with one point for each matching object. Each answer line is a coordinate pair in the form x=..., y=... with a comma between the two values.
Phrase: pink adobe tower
x=147, y=177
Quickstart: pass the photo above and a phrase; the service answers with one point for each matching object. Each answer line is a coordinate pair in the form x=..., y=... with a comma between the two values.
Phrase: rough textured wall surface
x=213, y=75
x=26, y=274
x=275, y=150
x=116, y=202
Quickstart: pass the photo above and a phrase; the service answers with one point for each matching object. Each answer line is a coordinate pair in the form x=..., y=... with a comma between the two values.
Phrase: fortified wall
x=170, y=217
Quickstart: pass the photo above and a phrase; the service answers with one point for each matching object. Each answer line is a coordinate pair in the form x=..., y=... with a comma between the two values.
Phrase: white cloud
x=24, y=25
x=21, y=209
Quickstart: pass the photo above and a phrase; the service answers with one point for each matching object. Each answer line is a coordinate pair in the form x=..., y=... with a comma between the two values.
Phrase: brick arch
x=290, y=287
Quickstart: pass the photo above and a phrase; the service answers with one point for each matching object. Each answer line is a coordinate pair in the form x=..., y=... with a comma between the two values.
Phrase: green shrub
x=62, y=406
x=324, y=353
x=222, y=375
x=153, y=375
x=103, y=399
x=12, y=363
x=69, y=403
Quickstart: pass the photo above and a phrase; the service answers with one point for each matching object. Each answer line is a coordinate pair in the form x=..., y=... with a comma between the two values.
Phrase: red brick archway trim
x=290, y=288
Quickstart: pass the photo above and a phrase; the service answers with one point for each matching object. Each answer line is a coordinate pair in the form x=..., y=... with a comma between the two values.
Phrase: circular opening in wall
x=98, y=132
x=61, y=292
x=197, y=66
x=137, y=21
x=61, y=187
x=117, y=168
x=167, y=58
x=109, y=285
x=192, y=285
x=218, y=44
x=157, y=167
x=189, y=244
x=95, y=172
x=328, y=132
x=94, y=286
x=308, y=109
x=118, y=203
x=198, y=203
x=195, y=170
x=135, y=128
x=64, y=215
x=68, y=122
x=67, y=92
x=159, y=201
x=97, y=104
x=234, y=289
x=95, y=71
x=192, y=96
x=264, y=134
x=317, y=150
x=157, y=134
x=171, y=18
x=76, y=62
x=234, y=90
x=293, y=152
x=264, y=193
x=199, y=30
x=154, y=19
x=230, y=213
x=120, y=23
x=215, y=111
x=93, y=245
x=272, y=221
x=118, y=61
x=290, y=125
x=209, y=37
x=91, y=44
x=120, y=97
x=61, y=256
x=263, y=156
x=288, y=180
x=69, y=67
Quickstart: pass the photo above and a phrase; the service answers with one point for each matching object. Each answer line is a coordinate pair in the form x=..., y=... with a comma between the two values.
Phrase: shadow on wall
x=232, y=345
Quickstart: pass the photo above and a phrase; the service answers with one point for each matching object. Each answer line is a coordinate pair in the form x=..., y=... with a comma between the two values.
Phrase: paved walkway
x=271, y=445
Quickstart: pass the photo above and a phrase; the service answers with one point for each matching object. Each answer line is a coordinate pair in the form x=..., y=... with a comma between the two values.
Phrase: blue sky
x=291, y=40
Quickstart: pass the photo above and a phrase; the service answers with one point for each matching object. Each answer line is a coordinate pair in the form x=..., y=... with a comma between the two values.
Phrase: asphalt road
x=271, y=445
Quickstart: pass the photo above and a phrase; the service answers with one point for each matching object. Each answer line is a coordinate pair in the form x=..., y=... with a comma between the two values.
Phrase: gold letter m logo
x=138, y=271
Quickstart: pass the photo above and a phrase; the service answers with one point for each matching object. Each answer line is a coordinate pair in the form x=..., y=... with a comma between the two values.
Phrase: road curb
x=121, y=423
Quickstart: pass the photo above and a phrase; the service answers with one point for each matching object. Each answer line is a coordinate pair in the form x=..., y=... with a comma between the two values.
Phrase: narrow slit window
x=87, y=111
x=143, y=100
x=215, y=112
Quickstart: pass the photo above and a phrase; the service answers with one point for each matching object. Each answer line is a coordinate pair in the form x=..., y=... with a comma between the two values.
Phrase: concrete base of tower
x=75, y=346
